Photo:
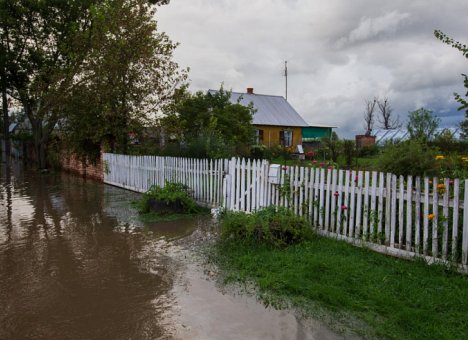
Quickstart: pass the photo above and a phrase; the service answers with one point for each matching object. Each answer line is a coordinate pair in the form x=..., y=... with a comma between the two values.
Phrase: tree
x=369, y=115
x=459, y=98
x=386, y=120
x=45, y=42
x=212, y=120
x=332, y=146
x=127, y=77
x=60, y=50
x=422, y=125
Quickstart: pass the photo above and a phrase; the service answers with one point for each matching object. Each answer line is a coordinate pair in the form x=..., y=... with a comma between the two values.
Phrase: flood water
x=76, y=263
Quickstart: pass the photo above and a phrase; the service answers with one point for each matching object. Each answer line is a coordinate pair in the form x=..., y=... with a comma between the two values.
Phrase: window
x=286, y=137
x=258, y=136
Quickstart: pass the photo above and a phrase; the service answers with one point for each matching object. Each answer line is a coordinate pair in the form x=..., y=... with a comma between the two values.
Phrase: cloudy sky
x=339, y=53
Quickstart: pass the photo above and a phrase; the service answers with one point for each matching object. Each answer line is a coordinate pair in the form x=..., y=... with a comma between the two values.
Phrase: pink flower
x=344, y=207
x=314, y=161
x=322, y=164
x=356, y=178
x=336, y=194
x=330, y=167
x=285, y=168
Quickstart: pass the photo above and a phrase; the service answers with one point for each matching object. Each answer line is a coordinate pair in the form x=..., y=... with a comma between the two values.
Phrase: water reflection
x=72, y=264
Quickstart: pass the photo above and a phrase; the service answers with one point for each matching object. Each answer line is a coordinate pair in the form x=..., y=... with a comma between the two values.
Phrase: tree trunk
x=40, y=144
x=6, y=121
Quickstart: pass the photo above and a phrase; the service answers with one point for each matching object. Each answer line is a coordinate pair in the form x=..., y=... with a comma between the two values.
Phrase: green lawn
x=353, y=288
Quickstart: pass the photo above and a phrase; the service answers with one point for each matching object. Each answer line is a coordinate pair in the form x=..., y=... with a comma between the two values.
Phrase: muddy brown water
x=76, y=263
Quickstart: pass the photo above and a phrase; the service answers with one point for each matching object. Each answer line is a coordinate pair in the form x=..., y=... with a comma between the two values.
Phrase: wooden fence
x=402, y=216
x=396, y=215
x=139, y=173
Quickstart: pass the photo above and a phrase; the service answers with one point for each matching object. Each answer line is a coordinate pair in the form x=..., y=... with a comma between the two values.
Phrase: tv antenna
x=286, y=77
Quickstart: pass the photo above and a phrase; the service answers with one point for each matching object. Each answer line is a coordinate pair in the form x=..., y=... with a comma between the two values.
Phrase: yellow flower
x=438, y=157
x=430, y=217
x=440, y=188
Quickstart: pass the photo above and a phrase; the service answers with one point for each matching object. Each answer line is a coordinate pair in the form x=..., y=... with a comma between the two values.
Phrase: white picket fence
x=388, y=213
x=391, y=214
x=138, y=173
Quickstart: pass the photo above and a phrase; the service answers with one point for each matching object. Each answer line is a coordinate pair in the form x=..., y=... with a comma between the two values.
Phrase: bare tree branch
x=369, y=115
x=386, y=120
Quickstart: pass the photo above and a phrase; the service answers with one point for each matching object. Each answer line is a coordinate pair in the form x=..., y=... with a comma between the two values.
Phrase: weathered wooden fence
x=139, y=173
x=402, y=216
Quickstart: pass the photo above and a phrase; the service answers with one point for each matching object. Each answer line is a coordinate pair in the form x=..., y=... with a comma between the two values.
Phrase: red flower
x=336, y=194
x=330, y=167
x=285, y=168
x=322, y=164
x=344, y=207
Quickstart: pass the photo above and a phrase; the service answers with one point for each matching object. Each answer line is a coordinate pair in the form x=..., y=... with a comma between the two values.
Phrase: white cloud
x=370, y=28
x=339, y=52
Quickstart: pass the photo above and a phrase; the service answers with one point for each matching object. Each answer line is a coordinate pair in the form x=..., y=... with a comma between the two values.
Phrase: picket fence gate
x=396, y=215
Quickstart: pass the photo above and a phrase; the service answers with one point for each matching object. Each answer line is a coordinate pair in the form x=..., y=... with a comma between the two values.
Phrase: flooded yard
x=76, y=263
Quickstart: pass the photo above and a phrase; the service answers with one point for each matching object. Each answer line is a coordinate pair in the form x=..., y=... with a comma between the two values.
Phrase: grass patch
x=374, y=295
x=156, y=217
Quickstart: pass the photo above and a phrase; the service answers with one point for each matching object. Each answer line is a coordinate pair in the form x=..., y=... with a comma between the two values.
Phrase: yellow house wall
x=271, y=135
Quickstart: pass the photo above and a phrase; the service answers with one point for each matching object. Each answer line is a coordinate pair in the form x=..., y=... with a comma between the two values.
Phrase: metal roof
x=270, y=110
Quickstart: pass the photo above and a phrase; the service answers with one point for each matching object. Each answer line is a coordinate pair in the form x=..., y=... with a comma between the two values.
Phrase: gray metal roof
x=270, y=110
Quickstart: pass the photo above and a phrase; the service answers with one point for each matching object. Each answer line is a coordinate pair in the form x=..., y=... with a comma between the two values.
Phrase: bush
x=278, y=227
x=408, y=158
x=173, y=195
x=258, y=151
x=349, y=152
x=368, y=151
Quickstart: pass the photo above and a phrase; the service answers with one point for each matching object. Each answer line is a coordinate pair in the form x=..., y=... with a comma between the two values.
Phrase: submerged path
x=75, y=263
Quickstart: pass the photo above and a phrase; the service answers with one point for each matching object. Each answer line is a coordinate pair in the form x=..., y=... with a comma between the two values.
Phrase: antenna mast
x=286, y=77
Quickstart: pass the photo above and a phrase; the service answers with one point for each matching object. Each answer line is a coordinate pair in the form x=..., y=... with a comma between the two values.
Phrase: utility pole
x=286, y=77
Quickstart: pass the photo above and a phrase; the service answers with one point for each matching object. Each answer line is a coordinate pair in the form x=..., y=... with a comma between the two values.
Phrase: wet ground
x=76, y=263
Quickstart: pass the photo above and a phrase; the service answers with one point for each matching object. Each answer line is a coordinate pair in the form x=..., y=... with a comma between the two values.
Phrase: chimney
x=250, y=90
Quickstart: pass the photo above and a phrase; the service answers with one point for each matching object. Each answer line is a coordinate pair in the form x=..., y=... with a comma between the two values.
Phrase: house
x=275, y=120
x=313, y=134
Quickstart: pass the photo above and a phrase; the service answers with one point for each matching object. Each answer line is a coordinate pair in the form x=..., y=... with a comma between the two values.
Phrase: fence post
x=465, y=226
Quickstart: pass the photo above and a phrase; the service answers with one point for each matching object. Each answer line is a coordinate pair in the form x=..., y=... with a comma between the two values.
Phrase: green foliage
x=172, y=194
x=422, y=124
x=258, y=151
x=463, y=100
x=122, y=89
x=94, y=68
x=411, y=157
x=368, y=150
x=210, y=122
x=331, y=147
x=366, y=293
x=452, y=166
x=349, y=152
x=275, y=226
x=447, y=143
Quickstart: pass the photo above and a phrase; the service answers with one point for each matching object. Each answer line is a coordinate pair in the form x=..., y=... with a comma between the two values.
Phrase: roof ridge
x=258, y=94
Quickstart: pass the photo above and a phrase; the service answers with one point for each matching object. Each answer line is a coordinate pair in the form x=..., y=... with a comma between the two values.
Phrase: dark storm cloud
x=339, y=53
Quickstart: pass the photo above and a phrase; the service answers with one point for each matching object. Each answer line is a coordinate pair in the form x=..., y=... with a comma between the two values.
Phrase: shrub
x=368, y=151
x=278, y=227
x=408, y=158
x=173, y=195
x=349, y=152
x=258, y=151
